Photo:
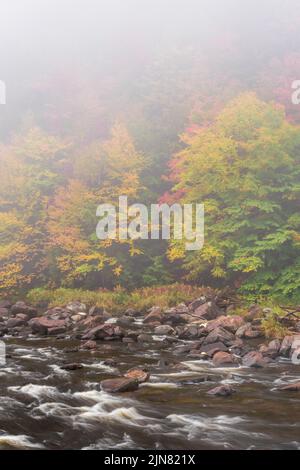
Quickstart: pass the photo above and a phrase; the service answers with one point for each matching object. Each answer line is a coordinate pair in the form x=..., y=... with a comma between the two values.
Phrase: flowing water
x=45, y=407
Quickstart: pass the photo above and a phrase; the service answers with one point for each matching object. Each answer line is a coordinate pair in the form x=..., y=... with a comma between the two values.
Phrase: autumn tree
x=245, y=168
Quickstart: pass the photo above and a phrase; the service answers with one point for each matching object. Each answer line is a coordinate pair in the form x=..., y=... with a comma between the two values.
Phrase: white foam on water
x=181, y=374
x=36, y=391
x=18, y=442
x=101, y=397
x=199, y=366
x=100, y=365
x=57, y=370
x=212, y=430
x=113, y=443
x=162, y=385
x=55, y=409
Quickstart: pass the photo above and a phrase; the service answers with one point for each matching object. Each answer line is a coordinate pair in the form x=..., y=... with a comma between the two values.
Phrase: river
x=45, y=407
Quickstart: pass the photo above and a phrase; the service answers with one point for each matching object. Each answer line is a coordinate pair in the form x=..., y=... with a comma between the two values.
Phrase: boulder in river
x=125, y=320
x=90, y=345
x=108, y=331
x=4, y=312
x=76, y=307
x=155, y=315
x=164, y=330
x=272, y=349
x=289, y=344
x=196, y=303
x=293, y=387
x=119, y=385
x=208, y=311
x=248, y=332
x=229, y=322
x=219, y=334
x=71, y=366
x=42, y=325
x=254, y=359
x=5, y=304
x=212, y=348
x=224, y=359
x=22, y=307
x=15, y=322
x=221, y=391
x=137, y=373
x=192, y=331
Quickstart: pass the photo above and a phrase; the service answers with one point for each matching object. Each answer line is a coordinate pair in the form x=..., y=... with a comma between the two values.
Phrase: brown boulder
x=294, y=387
x=119, y=385
x=15, y=322
x=246, y=331
x=21, y=307
x=253, y=313
x=229, y=322
x=76, y=307
x=254, y=359
x=155, y=315
x=208, y=311
x=191, y=331
x=272, y=349
x=42, y=325
x=197, y=303
x=138, y=374
x=212, y=348
x=89, y=345
x=219, y=334
x=107, y=331
x=164, y=330
x=5, y=304
x=4, y=312
x=289, y=344
x=221, y=359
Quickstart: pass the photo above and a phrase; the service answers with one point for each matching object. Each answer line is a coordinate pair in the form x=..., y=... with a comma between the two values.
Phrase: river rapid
x=45, y=407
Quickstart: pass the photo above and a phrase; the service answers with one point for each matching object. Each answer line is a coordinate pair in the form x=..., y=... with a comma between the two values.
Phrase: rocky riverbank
x=204, y=329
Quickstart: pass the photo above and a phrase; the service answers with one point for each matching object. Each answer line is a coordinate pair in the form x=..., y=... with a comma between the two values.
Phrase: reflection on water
x=45, y=407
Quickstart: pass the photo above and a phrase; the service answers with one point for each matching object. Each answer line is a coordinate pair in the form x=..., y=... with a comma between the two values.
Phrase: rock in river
x=138, y=374
x=221, y=391
x=294, y=387
x=119, y=385
x=222, y=359
x=254, y=359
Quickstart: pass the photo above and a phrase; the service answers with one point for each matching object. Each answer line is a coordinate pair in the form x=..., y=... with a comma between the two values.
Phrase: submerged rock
x=72, y=366
x=221, y=391
x=294, y=387
x=119, y=385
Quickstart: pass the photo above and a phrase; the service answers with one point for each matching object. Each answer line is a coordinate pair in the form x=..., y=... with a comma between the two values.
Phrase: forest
x=193, y=116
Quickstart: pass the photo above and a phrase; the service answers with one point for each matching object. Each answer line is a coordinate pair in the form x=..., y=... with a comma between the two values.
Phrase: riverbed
x=45, y=407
